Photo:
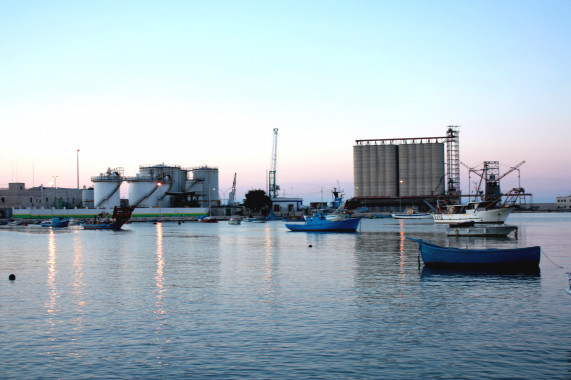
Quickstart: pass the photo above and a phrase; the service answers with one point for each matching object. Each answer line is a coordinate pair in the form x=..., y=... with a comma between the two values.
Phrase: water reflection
x=437, y=274
x=78, y=284
x=268, y=261
x=160, y=313
x=159, y=275
x=51, y=282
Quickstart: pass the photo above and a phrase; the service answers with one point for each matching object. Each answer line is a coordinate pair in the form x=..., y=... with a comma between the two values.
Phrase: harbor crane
x=490, y=175
x=272, y=187
x=232, y=195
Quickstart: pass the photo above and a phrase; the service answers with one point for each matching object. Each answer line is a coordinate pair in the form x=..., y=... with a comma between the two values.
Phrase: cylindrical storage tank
x=142, y=192
x=373, y=170
x=380, y=185
x=209, y=185
x=87, y=198
x=404, y=172
x=358, y=170
x=426, y=169
x=106, y=189
x=419, y=170
x=437, y=169
x=366, y=170
x=390, y=158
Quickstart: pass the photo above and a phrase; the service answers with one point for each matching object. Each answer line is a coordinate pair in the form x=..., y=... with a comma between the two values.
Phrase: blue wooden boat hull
x=319, y=224
x=57, y=222
x=103, y=226
x=435, y=255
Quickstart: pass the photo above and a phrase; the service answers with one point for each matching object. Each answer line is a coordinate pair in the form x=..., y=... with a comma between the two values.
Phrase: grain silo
x=106, y=188
x=387, y=182
x=358, y=169
x=421, y=169
x=386, y=171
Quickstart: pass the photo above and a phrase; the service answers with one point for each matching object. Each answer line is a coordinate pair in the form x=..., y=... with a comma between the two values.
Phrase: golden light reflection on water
x=401, y=249
x=78, y=284
x=159, y=303
x=51, y=282
x=268, y=257
x=159, y=275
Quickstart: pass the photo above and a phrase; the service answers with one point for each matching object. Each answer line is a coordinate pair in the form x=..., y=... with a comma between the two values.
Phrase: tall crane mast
x=273, y=188
x=232, y=195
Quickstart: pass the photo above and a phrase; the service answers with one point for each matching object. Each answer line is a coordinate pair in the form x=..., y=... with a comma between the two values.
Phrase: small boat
x=56, y=222
x=412, y=216
x=257, y=220
x=207, y=219
x=481, y=230
x=568, y=289
x=320, y=222
x=121, y=215
x=477, y=212
x=235, y=220
x=436, y=255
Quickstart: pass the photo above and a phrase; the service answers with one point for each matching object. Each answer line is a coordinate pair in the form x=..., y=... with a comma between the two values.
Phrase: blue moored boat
x=435, y=255
x=56, y=222
x=320, y=222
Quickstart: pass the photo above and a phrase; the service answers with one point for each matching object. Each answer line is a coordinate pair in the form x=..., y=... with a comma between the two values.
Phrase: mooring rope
x=553, y=262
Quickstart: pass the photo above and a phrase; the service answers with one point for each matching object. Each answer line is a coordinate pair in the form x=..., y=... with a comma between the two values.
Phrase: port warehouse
x=399, y=173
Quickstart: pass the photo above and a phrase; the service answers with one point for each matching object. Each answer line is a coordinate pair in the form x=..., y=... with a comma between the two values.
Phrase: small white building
x=564, y=202
x=287, y=206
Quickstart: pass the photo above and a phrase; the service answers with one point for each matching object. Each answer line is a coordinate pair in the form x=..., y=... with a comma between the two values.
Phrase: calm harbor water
x=256, y=301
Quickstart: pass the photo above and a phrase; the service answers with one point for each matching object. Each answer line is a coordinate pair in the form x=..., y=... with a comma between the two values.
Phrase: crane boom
x=512, y=169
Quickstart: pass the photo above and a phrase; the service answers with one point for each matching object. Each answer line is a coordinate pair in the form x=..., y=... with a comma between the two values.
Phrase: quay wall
x=83, y=213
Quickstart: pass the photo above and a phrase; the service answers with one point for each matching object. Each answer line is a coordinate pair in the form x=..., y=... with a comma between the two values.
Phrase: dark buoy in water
x=310, y=246
x=12, y=277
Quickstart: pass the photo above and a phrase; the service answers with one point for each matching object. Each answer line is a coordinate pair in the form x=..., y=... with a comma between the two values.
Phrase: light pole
x=77, y=160
x=55, y=189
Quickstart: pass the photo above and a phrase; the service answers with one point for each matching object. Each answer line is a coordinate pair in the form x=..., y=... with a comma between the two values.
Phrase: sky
x=193, y=83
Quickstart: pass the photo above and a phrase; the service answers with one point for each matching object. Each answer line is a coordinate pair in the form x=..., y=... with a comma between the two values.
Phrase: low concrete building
x=287, y=206
x=17, y=196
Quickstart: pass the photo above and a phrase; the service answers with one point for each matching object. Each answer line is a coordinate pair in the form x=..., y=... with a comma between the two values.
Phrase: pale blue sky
x=194, y=83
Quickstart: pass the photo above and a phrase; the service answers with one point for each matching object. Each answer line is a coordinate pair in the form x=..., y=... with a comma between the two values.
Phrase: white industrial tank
x=106, y=188
x=88, y=198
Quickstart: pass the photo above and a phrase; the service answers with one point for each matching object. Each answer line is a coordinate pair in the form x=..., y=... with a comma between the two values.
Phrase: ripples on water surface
x=256, y=301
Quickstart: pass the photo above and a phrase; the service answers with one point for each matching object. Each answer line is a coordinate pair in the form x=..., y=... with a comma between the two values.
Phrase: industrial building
x=391, y=174
x=158, y=186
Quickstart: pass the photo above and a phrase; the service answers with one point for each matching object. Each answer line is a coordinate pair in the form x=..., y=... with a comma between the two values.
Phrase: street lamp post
x=77, y=160
x=55, y=189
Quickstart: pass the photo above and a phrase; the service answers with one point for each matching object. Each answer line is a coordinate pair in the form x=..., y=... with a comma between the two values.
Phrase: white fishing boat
x=235, y=220
x=477, y=212
x=412, y=216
